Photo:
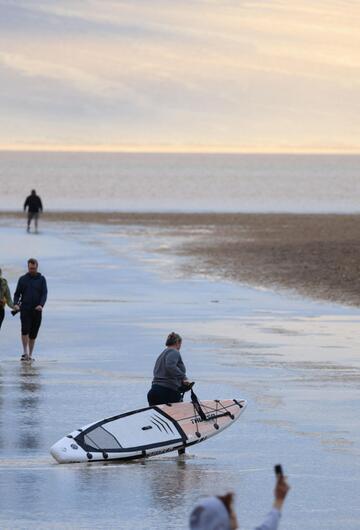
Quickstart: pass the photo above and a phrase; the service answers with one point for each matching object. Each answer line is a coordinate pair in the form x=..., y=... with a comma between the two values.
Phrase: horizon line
x=161, y=149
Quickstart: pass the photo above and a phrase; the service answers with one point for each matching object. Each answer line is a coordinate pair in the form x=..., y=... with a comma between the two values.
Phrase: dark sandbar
x=317, y=255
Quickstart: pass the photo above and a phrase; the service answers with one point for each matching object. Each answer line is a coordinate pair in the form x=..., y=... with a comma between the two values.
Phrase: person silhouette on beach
x=5, y=297
x=34, y=207
x=29, y=298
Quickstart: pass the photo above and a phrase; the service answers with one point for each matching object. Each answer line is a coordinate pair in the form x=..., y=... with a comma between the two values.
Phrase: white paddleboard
x=147, y=432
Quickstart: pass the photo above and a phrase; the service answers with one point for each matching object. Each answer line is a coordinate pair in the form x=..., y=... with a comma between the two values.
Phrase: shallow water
x=111, y=303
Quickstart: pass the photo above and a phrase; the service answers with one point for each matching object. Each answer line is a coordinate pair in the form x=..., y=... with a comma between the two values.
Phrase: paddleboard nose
x=66, y=450
x=57, y=451
x=60, y=451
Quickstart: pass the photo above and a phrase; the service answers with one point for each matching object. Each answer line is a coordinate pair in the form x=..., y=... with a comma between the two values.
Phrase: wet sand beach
x=315, y=255
x=117, y=285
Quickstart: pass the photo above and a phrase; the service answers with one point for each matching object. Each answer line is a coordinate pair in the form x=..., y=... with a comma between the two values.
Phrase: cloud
x=206, y=71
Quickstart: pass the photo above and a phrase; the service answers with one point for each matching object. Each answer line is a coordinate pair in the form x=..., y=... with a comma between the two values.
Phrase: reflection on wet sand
x=176, y=479
x=27, y=407
x=161, y=486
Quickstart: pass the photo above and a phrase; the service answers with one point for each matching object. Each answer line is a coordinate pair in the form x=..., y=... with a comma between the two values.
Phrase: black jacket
x=33, y=202
x=31, y=291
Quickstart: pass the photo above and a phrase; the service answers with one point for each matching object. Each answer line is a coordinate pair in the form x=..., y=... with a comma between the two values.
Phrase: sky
x=180, y=75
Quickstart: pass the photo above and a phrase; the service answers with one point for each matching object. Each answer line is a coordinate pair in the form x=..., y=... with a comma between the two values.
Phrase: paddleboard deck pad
x=148, y=432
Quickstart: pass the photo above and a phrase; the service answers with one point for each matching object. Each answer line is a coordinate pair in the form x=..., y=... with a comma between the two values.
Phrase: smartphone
x=278, y=470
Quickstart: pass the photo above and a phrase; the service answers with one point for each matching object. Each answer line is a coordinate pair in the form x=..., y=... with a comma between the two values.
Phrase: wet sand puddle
x=111, y=302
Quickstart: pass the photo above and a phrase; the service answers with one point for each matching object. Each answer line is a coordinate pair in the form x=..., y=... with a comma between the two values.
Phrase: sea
x=182, y=182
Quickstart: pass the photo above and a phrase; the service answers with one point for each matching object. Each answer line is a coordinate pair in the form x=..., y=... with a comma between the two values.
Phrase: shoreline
x=316, y=255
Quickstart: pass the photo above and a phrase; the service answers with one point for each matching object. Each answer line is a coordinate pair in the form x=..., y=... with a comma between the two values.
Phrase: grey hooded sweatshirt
x=169, y=370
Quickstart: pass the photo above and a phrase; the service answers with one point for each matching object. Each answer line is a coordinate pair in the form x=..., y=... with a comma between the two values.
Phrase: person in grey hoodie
x=29, y=298
x=217, y=513
x=169, y=374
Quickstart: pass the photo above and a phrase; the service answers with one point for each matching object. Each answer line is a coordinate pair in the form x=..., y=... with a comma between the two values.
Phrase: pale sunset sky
x=180, y=75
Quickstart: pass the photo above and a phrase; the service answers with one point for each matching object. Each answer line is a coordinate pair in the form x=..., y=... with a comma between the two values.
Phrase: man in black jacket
x=29, y=298
x=34, y=205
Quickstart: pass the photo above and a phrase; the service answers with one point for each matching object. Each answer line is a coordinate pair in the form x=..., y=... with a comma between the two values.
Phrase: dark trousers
x=30, y=322
x=31, y=216
x=2, y=314
x=159, y=395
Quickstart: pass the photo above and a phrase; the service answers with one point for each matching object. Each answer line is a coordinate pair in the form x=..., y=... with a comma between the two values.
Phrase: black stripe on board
x=165, y=423
x=174, y=422
x=159, y=425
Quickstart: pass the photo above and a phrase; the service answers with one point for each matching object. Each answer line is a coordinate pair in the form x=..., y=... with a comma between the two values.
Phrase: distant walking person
x=5, y=297
x=34, y=207
x=30, y=297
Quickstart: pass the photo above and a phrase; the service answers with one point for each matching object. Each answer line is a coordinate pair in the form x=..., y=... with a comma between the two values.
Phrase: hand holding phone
x=281, y=487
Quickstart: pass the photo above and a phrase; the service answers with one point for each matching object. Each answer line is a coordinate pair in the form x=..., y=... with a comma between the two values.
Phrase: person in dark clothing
x=29, y=298
x=5, y=297
x=34, y=206
x=169, y=374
